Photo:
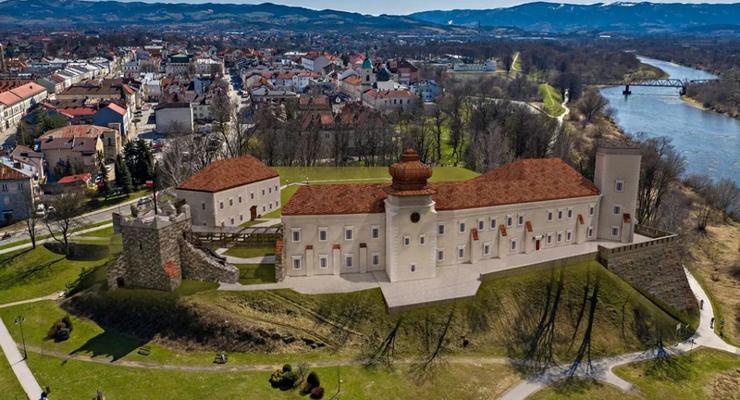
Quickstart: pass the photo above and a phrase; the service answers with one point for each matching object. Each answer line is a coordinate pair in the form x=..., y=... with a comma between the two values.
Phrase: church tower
x=368, y=77
x=410, y=221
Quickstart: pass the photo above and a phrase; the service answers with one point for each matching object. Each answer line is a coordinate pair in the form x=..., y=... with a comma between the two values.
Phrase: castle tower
x=411, y=221
x=617, y=175
x=151, y=251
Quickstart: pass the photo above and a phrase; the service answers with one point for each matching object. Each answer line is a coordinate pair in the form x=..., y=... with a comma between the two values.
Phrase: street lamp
x=19, y=321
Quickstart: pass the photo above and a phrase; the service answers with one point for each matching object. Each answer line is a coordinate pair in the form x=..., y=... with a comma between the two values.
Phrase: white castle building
x=411, y=228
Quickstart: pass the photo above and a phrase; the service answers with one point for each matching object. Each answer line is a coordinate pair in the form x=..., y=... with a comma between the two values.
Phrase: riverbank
x=700, y=105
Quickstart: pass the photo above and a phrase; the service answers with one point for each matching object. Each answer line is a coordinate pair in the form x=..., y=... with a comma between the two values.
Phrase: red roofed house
x=231, y=192
x=79, y=144
x=16, y=101
x=410, y=228
x=390, y=100
x=75, y=182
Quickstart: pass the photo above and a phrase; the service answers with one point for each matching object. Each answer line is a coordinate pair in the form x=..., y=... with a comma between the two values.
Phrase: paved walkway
x=42, y=241
x=603, y=368
x=13, y=355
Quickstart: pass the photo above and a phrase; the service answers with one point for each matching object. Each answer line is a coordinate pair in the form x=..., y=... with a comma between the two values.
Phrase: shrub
x=289, y=378
x=317, y=392
x=60, y=330
x=313, y=380
x=287, y=368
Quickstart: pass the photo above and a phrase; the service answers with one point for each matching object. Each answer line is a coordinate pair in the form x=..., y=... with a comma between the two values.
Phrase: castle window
x=460, y=252
x=486, y=249
x=251, y=195
x=347, y=233
x=549, y=238
x=440, y=255
x=441, y=229
x=549, y=215
x=509, y=221
x=375, y=232
x=461, y=227
x=568, y=236
x=407, y=241
x=560, y=237
x=590, y=210
x=231, y=202
x=323, y=261
x=232, y=221
x=322, y=234
x=241, y=217
x=520, y=220
x=376, y=259
x=493, y=223
x=619, y=186
x=221, y=205
x=590, y=231
x=202, y=206
x=513, y=245
x=263, y=192
x=413, y=267
x=615, y=231
x=560, y=214
x=295, y=235
x=570, y=212
x=141, y=246
x=348, y=261
x=421, y=240
x=269, y=190
x=481, y=224
x=617, y=210
x=296, y=262
x=240, y=199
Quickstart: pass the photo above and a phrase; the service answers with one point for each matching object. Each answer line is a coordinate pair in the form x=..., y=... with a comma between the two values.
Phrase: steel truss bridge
x=675, y=83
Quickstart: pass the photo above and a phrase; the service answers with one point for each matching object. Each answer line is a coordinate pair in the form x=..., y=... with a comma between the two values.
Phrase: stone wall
x=654, y=268
x=198, y=265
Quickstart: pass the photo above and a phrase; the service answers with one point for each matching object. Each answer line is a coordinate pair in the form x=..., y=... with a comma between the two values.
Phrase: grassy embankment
x=11, y=389
x=552, y=100
x=701, y=374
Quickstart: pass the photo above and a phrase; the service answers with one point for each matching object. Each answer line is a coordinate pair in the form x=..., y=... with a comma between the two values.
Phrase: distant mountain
x=56, y=14
x=616, y=17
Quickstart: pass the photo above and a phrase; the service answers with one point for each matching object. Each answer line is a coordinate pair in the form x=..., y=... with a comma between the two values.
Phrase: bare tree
x=661, y=166
x=32, y=219
x=591, y=104
x=726, y=197
x=66, y=207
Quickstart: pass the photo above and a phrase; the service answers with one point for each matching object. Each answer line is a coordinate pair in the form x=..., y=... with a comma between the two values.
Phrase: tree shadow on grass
x=109, y=344
x=28, y=274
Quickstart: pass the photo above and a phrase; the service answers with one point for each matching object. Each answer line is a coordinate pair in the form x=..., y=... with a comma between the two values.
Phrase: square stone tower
x=151, y=251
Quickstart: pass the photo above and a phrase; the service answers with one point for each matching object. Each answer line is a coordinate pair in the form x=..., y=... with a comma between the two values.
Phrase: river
x=710, y=141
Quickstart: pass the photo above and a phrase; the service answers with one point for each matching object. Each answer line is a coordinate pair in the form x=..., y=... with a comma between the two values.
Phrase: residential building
x=16, y=194
x=231, y=192
x=488, y=66
x=79, y=145
x=16, y=101
x=410, y=228
x=115, y=114
x=388, y=101
x=33, y=159
x=429, y=90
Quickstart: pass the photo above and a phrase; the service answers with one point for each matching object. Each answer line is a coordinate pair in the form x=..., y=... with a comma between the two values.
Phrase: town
x=411, y=207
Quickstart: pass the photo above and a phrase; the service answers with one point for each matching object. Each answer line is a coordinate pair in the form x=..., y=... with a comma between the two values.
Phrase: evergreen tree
x=127, y=184
x=104, y=186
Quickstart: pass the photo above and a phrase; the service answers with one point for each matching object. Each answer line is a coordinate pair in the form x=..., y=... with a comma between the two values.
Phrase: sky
x=400, y=7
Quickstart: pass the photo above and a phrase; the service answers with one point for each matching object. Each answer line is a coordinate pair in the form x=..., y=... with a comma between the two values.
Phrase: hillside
x=617, y=17
x=52, y=14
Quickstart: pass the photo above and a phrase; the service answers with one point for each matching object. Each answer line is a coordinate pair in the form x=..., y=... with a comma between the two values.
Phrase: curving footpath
x=603, y=368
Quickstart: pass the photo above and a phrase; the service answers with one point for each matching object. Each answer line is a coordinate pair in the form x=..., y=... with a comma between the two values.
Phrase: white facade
x=413, y=236
x=176, y=115
x=235, y=206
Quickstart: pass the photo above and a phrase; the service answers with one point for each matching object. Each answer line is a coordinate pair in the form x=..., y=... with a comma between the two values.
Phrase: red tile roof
x=521, y=181
x=75, y=131
x=228, y=173
x=116, y=108
x=10, y=174
x=75, y=178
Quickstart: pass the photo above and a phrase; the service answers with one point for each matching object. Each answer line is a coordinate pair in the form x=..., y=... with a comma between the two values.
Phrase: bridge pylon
x=627, y=90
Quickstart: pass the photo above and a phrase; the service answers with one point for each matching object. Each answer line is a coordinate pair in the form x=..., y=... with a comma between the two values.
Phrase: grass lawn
x=249, y=252
x=11, y=389
x=582, y=390
x=101, y=233
x=250, y=223
x=250, y=274
x=552, y=99
x=28, y=273
x=97, y=203
x=75, y=379
x=701, y=374
x=46, y=236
